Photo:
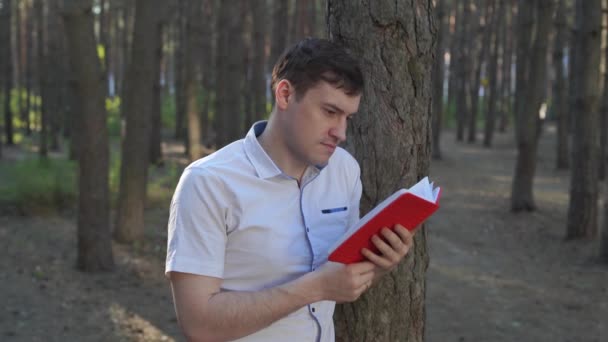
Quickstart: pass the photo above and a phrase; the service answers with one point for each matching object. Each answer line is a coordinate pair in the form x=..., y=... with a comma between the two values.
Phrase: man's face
x=316, y=123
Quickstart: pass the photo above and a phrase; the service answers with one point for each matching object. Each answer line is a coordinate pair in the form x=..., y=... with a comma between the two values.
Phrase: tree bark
x=462, y=71
x=230, y=48
x=530, y=95
x=604, y=236
x=442, y=12
x=279, y=31
x=94, y=244
x=191, y=85
x=156, y=155
x=258, y=82
x=391, y=139
x=485, y=31
x=139, y=90
x=43, y=79
x=7, y=70
x=507, y=84
x=560, y=92
x=493, y=96
x=583, y=208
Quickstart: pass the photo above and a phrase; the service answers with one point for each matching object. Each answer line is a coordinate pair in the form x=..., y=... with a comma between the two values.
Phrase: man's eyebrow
x=334, y=107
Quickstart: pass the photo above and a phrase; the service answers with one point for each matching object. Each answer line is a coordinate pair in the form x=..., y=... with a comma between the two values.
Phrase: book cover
x=406, y=207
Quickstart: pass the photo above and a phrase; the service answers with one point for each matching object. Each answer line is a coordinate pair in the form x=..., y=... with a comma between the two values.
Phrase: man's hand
x=393, y=248
x=345, y=283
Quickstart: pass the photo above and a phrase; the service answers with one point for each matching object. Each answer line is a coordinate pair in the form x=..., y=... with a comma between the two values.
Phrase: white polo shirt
x=235, y=215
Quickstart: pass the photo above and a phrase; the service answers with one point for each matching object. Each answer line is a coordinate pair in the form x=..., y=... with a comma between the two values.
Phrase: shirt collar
x=263, y=164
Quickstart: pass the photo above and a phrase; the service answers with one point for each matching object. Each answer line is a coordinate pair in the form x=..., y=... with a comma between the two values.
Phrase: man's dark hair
x=313, y=60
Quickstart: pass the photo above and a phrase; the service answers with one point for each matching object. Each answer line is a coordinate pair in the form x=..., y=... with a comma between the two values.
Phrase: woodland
x=503, y=103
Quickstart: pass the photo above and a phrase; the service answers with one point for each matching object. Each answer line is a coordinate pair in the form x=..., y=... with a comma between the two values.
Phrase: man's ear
x=283, y=94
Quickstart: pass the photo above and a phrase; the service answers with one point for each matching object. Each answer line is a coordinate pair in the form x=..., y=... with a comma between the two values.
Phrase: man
x=251, y=224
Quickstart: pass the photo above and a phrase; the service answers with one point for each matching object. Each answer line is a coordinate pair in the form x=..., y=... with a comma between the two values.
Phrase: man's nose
x=339, y=131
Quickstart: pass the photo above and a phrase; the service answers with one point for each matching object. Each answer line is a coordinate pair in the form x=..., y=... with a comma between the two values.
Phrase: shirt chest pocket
x=333, y=217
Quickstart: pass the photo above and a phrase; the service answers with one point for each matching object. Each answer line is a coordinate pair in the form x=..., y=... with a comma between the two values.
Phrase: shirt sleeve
x=197, y=226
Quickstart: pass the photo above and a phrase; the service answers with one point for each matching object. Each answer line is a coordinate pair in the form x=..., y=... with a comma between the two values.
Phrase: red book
x=407, y=207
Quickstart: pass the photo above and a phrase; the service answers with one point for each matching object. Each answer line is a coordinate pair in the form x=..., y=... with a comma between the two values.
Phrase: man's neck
x=273, y=142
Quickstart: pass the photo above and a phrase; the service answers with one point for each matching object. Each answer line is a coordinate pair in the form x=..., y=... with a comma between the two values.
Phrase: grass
x=38, y=186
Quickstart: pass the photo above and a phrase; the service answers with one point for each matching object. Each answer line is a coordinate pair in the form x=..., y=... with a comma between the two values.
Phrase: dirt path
x=499, y=276
x=493, y=276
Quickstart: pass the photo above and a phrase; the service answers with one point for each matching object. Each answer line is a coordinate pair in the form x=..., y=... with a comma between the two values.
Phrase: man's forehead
x=337, y=97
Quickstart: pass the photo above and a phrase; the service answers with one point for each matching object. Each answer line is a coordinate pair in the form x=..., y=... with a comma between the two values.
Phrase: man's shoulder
x=228, y=157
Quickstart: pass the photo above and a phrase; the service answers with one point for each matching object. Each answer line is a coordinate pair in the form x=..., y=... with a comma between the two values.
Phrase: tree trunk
x=462, y=68
x=29, y=51
x=229, y=76
x=156, y=155
x=7, y=70
x=180, y=62
x=493, y=96
x=454, y=50
x=530, y=95
x=139, y=90
x=604, y=229
x=191, y=85
x=94, y=244
x=442, y=12
x=507, y=84
x=583, y=209
x=485, y=31
x=604, y=119
x=395, y=47
x=560, y=92
x=207, y=70
x=42, y=79
x=279, y=31
x=258, y=82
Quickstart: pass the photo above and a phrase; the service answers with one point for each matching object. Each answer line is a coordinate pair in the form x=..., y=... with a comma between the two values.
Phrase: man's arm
x=207, y=314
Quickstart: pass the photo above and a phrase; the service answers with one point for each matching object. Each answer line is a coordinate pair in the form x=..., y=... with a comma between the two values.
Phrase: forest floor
x=493, y=275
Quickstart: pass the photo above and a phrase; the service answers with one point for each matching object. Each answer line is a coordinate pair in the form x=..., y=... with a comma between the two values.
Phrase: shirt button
x=313, y=309
x=307, y=229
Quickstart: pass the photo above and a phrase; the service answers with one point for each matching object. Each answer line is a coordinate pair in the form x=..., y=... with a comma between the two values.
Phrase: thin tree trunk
x=454, y=51
x=394, y=149
x=180, y=62
x=492, y=105
x=207, y=70
x=155, y=155
x=604, y=236
x=29, y=50
x=7, y=70
x=532, y=90
x=229, y=77
x=42, y=79
x=191, y=83
x=583, y=208
x=442, y=12
x=462, y=72
x=258, y=82
x=485, y=32
x=139, y=90
x=560, y=92
x=507, y=84
x=94, y=244
x=279, y=31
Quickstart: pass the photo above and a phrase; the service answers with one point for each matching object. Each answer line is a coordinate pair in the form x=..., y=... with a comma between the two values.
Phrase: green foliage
x=167, y=112
x=113, y=109
x=161, y=184
x=39, y=185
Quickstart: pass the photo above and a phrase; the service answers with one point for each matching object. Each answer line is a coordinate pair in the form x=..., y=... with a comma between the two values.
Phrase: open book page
x=422, y=189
